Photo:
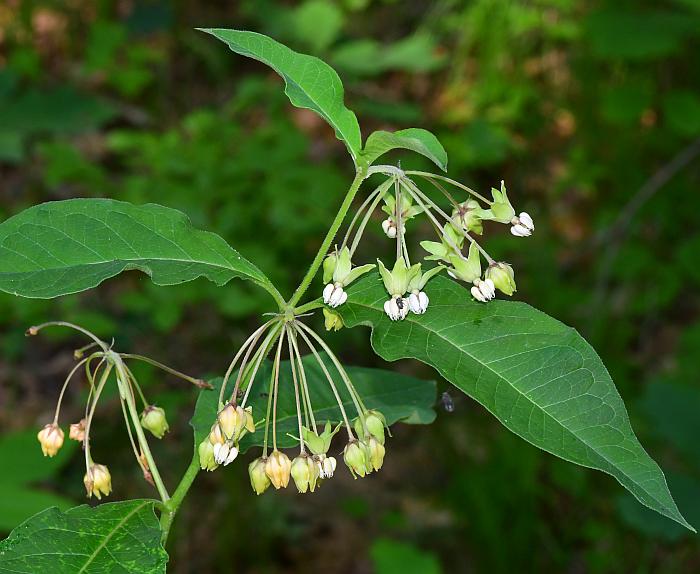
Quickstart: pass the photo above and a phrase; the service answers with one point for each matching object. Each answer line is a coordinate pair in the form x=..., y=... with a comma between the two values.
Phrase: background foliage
x=590, y=112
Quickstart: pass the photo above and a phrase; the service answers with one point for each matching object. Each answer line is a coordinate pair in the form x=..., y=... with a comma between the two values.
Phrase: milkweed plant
x=285, y=392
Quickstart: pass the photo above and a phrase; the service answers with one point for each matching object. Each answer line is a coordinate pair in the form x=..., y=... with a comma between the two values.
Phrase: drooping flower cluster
x=100, y=367
x=364, y=451
x=456, y=250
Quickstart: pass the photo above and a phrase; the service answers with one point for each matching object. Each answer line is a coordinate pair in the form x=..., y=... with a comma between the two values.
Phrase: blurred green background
x=589, y=110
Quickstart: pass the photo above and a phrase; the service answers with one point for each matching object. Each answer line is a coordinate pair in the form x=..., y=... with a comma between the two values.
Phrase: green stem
x=171, y=507
x=318, y=260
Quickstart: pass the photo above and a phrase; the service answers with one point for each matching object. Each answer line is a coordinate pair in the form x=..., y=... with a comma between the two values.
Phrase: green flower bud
x=376, y=453
x=502, y=276
x=466, y=269
x=153, y=420
x=305, y=473
x=258, y=477
x=468, y=215
x=374, y=423
x=206, y=455
x=355, y=457
x=333, y=320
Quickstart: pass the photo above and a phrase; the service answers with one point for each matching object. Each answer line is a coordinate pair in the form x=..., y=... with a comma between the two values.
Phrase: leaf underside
x=540, y=378
x=115, y=537
x=309, y=82
x=399, y=397
x=69, y=246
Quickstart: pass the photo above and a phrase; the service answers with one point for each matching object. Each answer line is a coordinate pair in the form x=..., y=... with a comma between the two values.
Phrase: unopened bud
x=216, y=436
x=153, y=420
x=77, y=431
x=206, y=455
x=502, y=276
x=278, y=469
x=333, y=321
x=305, y=473
x=98, y=481
x=355, y=458
x=374, y=422
x=232, y=420
x=376, y=453
x=51, y=439
x=258, y=477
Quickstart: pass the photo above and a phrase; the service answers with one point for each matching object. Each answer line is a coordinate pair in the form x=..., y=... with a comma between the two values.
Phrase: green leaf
x=309, y=82
x=69, y=246
x=537, y=376
x=415, y=139
x=115, y=537
x=399, y=397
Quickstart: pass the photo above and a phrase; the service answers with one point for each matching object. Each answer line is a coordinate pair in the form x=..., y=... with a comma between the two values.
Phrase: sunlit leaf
x=537, y=376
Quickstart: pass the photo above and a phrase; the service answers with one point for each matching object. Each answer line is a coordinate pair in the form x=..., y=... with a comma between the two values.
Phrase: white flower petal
x=414, y=303
x=477, y=294
x=526, y=220
x=424, y=300
x=520, y=231
x=327, y=291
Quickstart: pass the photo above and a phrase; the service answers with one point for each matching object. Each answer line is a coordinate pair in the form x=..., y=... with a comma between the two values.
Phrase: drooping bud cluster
x=404, y=282
x=313, y=465
x=101, y=367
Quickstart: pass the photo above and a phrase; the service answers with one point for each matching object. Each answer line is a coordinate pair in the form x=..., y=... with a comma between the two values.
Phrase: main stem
x=318, y=260
x=170, y=506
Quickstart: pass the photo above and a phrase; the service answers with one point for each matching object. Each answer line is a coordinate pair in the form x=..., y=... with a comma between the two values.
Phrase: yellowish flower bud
x=355, y=458
x=376, y=453
x=206, y=455
x=216, y=436
x=305, y=473
x=98, y=481
x=153, y=420
x=51, y=439
x=77, y=431
x=258, y=476
x=332, y=319
x=232, y=420
x=374, y=425
x=278, y=469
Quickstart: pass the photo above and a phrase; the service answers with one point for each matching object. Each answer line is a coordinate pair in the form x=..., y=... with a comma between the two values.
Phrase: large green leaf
x=115, y=537
x=398, y=397
x=68, y=246
x=537, y=376
x=309, y=82
x=415, y=139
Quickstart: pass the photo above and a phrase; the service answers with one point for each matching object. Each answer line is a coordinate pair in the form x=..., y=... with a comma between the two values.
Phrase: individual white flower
x=334, y=295
x=338, y=272
x=483, y=290
x=389, y=228
x=418, y=302
x=225, y=453
x=523, y=226
x=396, y=308
x=328, y=465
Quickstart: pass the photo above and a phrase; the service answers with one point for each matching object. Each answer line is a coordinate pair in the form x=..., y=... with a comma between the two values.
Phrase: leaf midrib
x=501, y=377
x=107, y=538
